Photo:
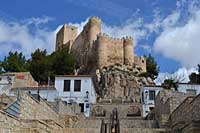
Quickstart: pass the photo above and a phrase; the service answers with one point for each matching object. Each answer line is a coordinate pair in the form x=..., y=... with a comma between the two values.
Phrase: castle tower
x=128, y=51
x=102, y=42
x=93, y=28
x=66, y=36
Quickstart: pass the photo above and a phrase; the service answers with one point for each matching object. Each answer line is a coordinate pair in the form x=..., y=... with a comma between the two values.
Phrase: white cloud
x=130, y=28
x=19, y=36
x=156, y=22
x=80, y=25
x=27, y=35
x=37, y=20
x=146, y=47
x=182, y=75
x=181, y=43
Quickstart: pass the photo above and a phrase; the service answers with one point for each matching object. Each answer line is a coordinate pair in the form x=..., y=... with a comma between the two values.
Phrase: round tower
x=102, y=41
x=128, y=51
x=94, y=28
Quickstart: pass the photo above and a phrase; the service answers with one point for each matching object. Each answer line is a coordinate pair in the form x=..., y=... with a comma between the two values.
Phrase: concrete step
x=122, y=130
x=124, y=123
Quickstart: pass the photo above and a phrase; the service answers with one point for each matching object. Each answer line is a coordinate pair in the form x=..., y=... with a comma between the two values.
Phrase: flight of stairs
x=93, y=125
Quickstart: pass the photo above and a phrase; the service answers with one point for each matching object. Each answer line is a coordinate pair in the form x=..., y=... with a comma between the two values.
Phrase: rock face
x=121, y=82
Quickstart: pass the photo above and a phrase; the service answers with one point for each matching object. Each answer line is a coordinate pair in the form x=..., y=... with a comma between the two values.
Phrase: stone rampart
x=82, y=46
x=110, y=51
x=96, y=50
x=66, y=36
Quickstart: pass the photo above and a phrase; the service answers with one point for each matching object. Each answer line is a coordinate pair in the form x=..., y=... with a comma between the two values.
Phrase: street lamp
x=87, y=96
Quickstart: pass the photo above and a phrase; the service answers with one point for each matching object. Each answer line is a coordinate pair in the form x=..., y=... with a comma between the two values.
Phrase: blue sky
x=168, y=29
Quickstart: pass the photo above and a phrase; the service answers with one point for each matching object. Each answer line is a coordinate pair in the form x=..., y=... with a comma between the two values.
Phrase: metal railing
x=113, y=126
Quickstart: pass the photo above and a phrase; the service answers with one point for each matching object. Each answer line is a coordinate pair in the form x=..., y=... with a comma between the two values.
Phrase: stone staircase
x=93, y=125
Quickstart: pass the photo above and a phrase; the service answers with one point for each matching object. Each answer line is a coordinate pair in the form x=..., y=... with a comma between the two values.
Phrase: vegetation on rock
x=152, y=68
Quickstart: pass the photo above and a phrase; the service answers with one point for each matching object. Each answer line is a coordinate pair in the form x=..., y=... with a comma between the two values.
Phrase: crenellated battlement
x=70, y=26
x=128, y=38
x=92, y=47
x=106, y=36
x=95, y=18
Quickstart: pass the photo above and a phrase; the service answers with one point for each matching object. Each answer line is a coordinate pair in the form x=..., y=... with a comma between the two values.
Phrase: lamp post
x=87, y=106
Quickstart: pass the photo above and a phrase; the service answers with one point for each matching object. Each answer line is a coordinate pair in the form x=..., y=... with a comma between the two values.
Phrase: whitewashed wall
x=183, y=88
x=79, y=97
x=5, y=86
x=146, y=102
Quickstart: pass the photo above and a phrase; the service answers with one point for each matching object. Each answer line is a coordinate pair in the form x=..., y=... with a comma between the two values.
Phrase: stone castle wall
x=66, y=36
x=111, y=51
x=93, y=49
x=82, y=46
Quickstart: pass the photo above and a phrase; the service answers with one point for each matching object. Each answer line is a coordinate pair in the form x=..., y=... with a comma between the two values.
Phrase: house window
x=77, y=85
x=151, y=95
x=66, y=85
x=191, y=91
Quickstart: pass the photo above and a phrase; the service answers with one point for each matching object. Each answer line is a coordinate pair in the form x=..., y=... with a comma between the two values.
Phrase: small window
x=151, y=95
x=77, y=85
x=66, y=85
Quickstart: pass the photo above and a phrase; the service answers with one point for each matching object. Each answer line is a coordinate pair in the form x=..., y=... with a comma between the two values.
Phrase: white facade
x=6, y=84
x=148, y=95
x=85, y=96
x=149, y=102
x=189, y=88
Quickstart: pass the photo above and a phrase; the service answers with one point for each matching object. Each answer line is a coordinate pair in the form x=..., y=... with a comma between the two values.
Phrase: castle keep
x=96, y=50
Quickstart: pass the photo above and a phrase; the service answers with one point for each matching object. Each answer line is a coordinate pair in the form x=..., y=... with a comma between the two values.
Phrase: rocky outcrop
x=121, y=82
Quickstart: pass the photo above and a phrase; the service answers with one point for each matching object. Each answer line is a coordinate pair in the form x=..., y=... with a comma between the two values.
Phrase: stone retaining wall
x=166, y=102
x=187, y=114
x=123, y=109
x=122, y=130
x=36, y=110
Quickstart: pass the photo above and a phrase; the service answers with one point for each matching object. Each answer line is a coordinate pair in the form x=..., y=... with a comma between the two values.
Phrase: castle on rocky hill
x=95, y=50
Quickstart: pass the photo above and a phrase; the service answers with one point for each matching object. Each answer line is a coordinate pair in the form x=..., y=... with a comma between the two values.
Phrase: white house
x=78, y=89
x=148, y=94
x=5, y=84
x=193, y=89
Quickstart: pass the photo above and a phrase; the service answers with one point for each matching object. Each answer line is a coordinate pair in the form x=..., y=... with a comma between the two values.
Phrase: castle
x=95, y=50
